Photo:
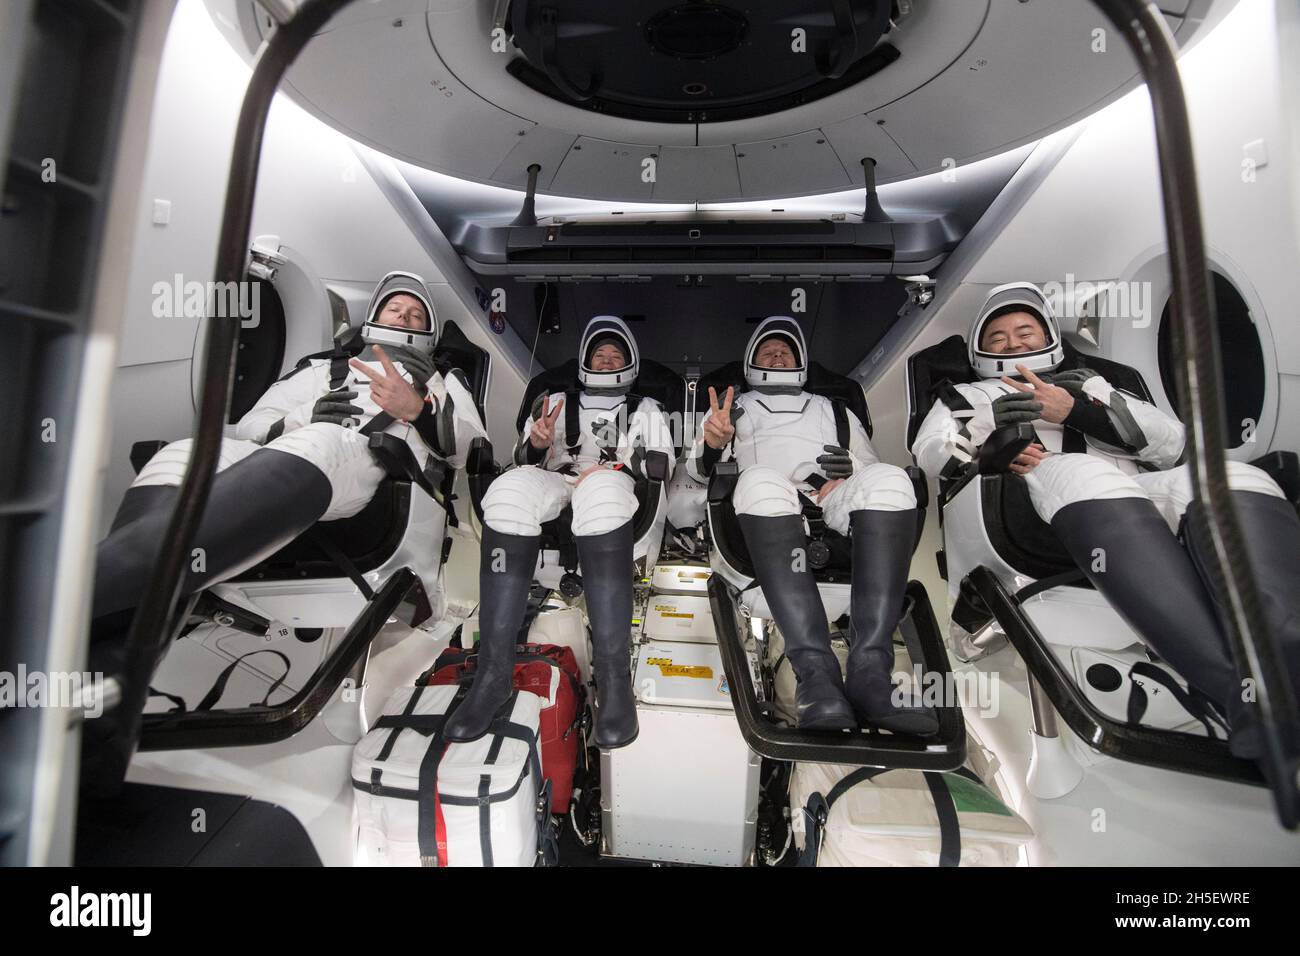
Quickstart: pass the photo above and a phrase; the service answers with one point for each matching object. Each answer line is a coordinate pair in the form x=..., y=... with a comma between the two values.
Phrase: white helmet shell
x=1015, y=296
x=409, y=284
x=783, y=379
x=619, y=381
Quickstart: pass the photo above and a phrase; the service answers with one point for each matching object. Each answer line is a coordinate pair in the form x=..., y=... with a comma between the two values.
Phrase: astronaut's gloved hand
x=417, y=363
x=836, y=463
x=1072, y=380
x=337, y=408
x=1015, y=408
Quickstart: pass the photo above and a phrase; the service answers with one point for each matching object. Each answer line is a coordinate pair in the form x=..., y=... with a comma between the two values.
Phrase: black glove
x=836, y=463
x=418, y=363
x=1015, y=408
x=337, y=409
x=1072, y=380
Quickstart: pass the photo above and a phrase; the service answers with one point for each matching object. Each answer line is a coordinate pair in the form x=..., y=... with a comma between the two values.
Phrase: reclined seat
x=828, y=551
x=325, y=577
x=1010, y=577
x=557, y=566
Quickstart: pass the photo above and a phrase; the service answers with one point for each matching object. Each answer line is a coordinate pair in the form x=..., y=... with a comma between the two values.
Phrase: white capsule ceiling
x=427, y=81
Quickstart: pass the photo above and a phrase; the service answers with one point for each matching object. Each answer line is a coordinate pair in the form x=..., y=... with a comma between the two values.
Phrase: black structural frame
x=1166, y=749
x=944, y=752
x=1195, y=344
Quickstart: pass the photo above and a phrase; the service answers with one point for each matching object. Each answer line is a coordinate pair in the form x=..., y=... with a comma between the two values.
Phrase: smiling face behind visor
x=1015, y=326
x=401, y=314
x=608, y=358
x=776, y=357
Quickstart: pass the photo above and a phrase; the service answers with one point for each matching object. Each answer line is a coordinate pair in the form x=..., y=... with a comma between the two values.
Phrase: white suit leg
x=343, y=456
x=765, y=492
x=1062, y=480
x=603, y=501
x=520, y=500
x=167, y=467
x=877, y=487
x=1172, y=490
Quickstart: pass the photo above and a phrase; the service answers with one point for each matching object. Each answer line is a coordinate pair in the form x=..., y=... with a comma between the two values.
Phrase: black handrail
x=1199, y=372
x=155, y=616
x=247, y=726
x=944, y=752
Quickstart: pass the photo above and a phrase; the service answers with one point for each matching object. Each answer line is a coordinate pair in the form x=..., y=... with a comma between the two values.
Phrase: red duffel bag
x=551, y=672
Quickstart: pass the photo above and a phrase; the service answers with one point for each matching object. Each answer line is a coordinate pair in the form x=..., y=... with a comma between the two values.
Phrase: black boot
x=882, y=554
x=607, y=567
x=506, y=569
x=797, y=607
x=255, y=507
x=1150, y=580
x=1271, y=532
x=139, y=500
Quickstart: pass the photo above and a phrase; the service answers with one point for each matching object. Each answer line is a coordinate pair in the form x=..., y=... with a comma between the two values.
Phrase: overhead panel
x=859, y=137
x=1011, y=72
x=694, y=175
x=396, y=95
x=789, y=166
x=597, y=167
x=541, y=145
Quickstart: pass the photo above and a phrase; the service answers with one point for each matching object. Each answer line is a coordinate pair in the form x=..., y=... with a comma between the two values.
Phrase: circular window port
x=1241, y=353
x=1104, y=678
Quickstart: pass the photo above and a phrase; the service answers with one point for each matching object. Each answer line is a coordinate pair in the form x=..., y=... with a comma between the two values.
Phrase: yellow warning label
x=669, y=669
x=688, y=616
x=683, y=670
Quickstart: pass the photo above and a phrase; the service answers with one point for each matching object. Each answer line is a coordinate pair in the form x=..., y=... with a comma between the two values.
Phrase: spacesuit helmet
x=405, y=283
x=777, y=379
x=1005, y=299
x=599, y=331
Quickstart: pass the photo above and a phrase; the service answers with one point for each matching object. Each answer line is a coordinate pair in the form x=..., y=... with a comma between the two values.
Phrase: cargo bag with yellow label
x=870, y=816
x=420, y=800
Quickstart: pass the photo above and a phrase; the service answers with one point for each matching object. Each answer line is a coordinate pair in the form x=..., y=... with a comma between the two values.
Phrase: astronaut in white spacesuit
x=1102, y=474
x=581, y=448
x=300, y=455
x=786, y=443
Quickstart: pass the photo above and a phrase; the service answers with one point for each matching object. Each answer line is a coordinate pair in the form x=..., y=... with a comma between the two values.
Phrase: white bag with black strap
x=420, y=800
x=870, y=816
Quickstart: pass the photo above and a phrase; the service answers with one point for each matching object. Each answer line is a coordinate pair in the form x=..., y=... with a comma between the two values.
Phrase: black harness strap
x=212, y=696
x=841, y=412
x=572, y=426
x=1191, y=702
x=818, y=810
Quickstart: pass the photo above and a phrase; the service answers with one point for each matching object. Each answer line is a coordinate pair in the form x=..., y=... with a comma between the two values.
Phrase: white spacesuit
x=581, y=448
x=1107, y=481
x=789, y=442
x=300, y=455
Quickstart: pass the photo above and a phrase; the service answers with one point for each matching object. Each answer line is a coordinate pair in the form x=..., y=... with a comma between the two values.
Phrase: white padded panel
x=687, y=175
x=980, y=103
x=859, y=136
x=790, y=165
x=595, y=167
x=540, y=144
x=384, y=86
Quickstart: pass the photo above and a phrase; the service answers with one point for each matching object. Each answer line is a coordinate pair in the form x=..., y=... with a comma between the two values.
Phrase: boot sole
x=912, y=725
x=618, y=746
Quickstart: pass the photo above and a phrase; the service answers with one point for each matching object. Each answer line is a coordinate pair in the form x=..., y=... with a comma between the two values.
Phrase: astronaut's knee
x=167, y=466
x=1062, y=480
x=513, y=504
x=602, y=502
x=880, y=487
x=765, y=492
x=1244, y=477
